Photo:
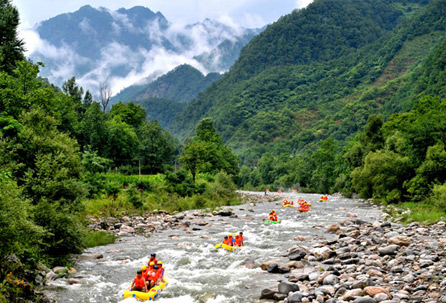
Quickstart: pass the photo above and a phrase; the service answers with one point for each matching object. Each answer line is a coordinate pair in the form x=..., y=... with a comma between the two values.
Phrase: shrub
x=438, y=197
x=97, y=238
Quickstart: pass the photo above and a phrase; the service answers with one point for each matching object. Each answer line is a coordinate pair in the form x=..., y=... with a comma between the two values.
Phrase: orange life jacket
x=231, y=240
x=154, y=260
x=226, y=241
x=241, y=240
x=139, y=282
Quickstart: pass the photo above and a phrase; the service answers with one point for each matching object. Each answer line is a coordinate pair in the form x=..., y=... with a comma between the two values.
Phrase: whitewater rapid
x=199, y=273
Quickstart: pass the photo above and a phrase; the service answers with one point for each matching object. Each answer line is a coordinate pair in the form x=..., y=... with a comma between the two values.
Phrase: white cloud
x=144, y=63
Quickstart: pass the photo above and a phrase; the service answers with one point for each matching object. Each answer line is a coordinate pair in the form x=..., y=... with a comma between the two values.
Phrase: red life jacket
x=139, y=282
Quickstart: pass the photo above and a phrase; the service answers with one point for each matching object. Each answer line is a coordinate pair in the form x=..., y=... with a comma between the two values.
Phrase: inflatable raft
x=272, y=222
x=288, y=205
x=147, y=296
x=304, y=210
x=226, y=247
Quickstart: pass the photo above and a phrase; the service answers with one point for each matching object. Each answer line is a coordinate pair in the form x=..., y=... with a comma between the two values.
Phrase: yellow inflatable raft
x=226, y=247
x=147, y=296
x=288, y=205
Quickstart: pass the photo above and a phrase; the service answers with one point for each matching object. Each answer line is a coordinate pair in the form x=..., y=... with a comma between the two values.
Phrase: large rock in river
x=286, y=287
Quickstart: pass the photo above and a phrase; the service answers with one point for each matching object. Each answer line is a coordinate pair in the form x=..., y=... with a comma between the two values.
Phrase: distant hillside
x=320, y=72
x=127, y=45
x=181, y=84
x=163, y=110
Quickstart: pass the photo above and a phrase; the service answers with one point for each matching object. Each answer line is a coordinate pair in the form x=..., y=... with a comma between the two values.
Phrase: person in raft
x=139, y=284
x=238, y=241
x=241, y=237
x=273, y=216
x=226, y=241
x=152, y=259
x=160, y=272
x=231, y=240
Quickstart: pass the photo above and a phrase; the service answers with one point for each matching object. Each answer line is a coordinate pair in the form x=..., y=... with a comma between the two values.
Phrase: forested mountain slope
x=182, y=84
x=320, y=72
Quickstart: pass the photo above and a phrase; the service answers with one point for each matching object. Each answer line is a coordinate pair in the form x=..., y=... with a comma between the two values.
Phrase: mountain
x=127, y=45
x=320, y=72
x=182, y=84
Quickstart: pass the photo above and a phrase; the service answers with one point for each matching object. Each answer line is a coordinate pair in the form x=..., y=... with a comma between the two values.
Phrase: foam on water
x=198, y=272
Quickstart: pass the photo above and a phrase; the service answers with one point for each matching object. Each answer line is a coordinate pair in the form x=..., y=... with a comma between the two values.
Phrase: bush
x=97, y=238
x=438, y=197
x=135, y=197
x=18, y=231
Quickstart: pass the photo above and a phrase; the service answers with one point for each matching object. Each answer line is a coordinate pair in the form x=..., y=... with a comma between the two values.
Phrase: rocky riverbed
x=364, y=262
x=343, y=250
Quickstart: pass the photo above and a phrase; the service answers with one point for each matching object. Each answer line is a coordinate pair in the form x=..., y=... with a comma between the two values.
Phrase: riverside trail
x=199, y=273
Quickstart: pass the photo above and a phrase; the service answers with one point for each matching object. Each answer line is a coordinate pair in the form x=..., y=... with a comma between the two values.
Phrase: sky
x=246, y=13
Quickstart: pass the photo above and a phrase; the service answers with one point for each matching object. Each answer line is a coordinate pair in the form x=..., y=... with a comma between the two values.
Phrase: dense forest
x=304, y=119
x=290, y=106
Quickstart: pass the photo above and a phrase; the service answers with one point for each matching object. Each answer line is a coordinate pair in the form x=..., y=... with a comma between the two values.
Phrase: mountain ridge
x=127, y=45
x=291, y=107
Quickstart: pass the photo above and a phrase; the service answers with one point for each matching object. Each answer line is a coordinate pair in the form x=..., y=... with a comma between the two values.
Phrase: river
x=199, y=273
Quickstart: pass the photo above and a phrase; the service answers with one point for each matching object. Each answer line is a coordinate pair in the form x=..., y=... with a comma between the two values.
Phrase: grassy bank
x=134, y=195
x=423, y=212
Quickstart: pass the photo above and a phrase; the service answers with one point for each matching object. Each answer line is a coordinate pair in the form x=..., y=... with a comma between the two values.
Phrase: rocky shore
x=364, y=262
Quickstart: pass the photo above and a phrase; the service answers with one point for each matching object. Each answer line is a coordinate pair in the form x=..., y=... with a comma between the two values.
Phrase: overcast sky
x=247, y=13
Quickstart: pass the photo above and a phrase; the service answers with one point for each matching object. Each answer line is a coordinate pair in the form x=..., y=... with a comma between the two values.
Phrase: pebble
x=378, y=262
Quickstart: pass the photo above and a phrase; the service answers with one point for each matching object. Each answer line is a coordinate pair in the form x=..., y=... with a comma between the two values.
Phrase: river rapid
x=198, y=272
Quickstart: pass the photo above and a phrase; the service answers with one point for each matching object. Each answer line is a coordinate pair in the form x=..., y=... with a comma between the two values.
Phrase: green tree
x=266, y=168
x=11, y=48
x=382, y=176
x=122, y=141
x=19, y=232
x=130, y=113
x=156, y=147
x=323, y=177
x=94, y=130
x=206, y=152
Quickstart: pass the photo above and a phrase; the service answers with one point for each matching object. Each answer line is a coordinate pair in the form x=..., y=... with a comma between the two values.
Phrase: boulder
x=295, y=264
x=265, y=265
x=400, y=240
x=351, y=215
x=268, y=293
x=388, y=250
x=286, y=287
x=374, y=290
x=224, y=213
x=333, y=228
x=273, y=268
x=90, y=256
x=381, y=297
x=365, y=299
x=73, y=281
x=59, y=270
x=323, y=253
x=330, y=280
x=374, y=272
x=295, y=297
x=351, y=294
x=297, y=254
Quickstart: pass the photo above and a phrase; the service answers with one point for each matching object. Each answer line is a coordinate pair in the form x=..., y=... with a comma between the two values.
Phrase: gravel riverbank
x=364, y=262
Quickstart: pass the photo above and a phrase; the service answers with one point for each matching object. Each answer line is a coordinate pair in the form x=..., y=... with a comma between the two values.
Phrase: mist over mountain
x=124, y=46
